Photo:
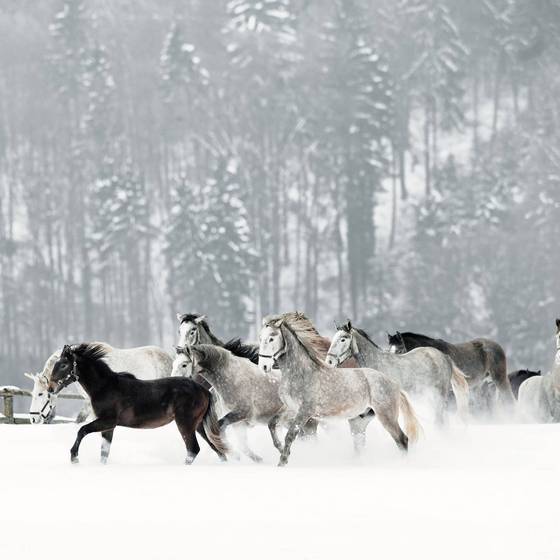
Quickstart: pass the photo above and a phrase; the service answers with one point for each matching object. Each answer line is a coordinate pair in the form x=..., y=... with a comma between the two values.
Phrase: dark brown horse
x=478, y=359
x=120, y=399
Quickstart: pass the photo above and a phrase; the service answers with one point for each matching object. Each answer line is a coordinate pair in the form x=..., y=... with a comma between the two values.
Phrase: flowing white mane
x=304, y=330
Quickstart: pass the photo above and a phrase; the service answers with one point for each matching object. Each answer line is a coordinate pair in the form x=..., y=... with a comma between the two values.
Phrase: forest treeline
x=393, y=161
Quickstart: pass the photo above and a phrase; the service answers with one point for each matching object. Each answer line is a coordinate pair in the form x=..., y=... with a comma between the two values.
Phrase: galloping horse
x=310, y=389
x=424, y=370
x=250, y=397
x=145, y=362
x=119, y=399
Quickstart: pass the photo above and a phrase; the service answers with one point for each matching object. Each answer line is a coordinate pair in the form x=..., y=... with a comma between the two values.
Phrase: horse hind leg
x=358, y=428
x=187, y=429
x=390, y=421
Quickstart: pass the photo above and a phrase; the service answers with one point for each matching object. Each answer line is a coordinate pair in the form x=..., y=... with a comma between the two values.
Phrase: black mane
x=88, y=351
x=419, y=336
x=242, y=350
x=95, y=353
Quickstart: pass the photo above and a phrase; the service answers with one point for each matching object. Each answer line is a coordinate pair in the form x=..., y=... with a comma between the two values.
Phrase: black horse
x=120, y=399
x=518, y=377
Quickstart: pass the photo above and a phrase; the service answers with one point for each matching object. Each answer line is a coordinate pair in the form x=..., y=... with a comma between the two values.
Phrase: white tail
x=412, y=427
x=460, y=388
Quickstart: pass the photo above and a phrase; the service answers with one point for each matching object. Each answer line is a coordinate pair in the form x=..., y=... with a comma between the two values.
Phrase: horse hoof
x=283, y=462
x=74, y=460
x=256, y=459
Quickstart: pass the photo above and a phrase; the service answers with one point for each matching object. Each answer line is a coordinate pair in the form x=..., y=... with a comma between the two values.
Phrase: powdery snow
x=476, y=492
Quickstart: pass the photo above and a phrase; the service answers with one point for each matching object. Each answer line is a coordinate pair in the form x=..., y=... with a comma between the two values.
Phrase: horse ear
x=336, y=325
x=348, y=325
x=200, y=319
x=31, y=376
x=179, y=316
x=558, y=324
x=179, y=350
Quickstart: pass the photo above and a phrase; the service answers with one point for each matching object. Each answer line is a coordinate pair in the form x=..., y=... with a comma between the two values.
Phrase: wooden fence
x=8, y=416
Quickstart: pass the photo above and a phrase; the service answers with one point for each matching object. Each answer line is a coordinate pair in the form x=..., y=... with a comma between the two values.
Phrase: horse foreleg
x=241, y=433
x=98, y=425
x=295, y=427
x=273, y=428
x=106, y=445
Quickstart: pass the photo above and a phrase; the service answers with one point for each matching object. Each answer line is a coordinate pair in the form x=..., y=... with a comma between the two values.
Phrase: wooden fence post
x=9, y=408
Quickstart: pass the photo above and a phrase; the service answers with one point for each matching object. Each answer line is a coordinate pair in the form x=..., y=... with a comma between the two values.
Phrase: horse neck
x=295, y=362
x=49, y=364
x=369, y=354
x=207, y=338
x=91, y=378
x=219, y=371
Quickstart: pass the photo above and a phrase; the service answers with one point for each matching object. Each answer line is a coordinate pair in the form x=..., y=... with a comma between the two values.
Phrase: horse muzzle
x=331, y=360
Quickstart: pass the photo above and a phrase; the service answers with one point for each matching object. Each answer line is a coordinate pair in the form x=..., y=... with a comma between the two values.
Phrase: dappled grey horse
x=194, y=329
x=477, y=359
x=250, y=396
x=539, y=397
x=422, y=371
x=145, y=362
x=310, y=389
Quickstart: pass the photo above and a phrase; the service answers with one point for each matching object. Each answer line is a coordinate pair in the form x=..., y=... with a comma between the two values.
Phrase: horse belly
x=135, y=417
x=347, y=401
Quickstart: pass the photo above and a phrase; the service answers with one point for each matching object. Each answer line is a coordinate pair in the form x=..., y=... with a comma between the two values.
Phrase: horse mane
x=304, y=331
x=242, y=350
x=92, y=351
x=191, y=318
x=420, y=336
x=95, y=352
x=363, y=333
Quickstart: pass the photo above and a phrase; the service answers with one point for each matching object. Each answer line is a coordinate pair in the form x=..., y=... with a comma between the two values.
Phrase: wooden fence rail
x=8, y=393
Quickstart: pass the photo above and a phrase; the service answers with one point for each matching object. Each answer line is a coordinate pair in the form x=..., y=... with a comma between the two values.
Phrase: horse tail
x=412, y=426
x=460, y=388
x=212, y=427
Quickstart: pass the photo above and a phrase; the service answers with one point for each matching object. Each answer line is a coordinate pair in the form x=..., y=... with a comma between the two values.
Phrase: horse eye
x=40, y=394
x=271, y=339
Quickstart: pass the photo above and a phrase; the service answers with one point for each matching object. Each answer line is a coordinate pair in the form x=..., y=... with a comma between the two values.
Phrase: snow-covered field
x=476, y=492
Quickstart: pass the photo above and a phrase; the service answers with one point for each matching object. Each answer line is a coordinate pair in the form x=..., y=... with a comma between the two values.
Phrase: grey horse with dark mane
x=422, y=371
x=311, y=389
x=478, y=359
x=250, y=396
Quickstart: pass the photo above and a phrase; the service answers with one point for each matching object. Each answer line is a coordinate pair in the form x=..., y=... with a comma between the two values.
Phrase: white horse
x=539, y=397
x=145, y=362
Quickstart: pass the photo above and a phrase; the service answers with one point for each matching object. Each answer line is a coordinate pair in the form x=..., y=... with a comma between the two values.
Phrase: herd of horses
x=292, y=380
